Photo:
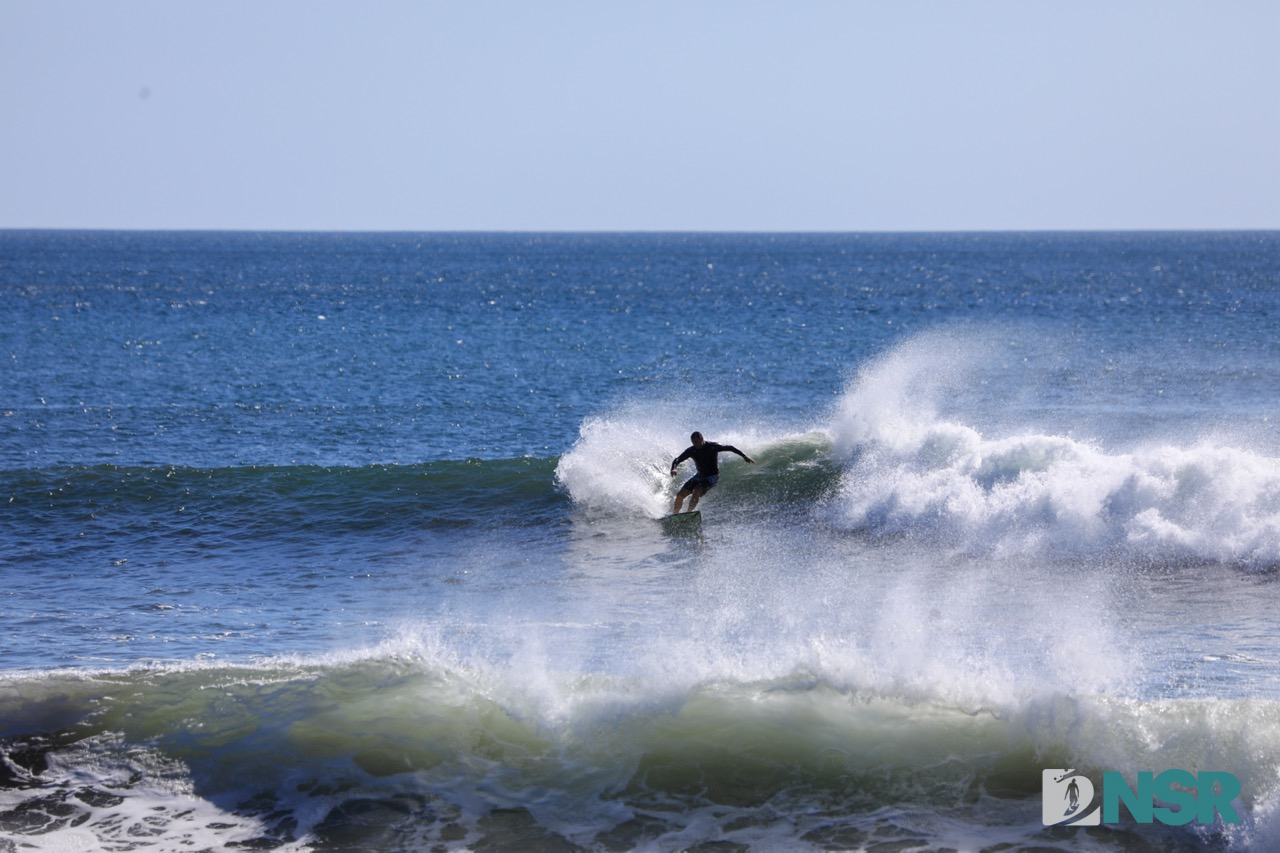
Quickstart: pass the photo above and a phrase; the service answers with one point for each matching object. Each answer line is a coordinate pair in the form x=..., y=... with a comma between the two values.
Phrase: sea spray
x=617, y=464
x=913, y=471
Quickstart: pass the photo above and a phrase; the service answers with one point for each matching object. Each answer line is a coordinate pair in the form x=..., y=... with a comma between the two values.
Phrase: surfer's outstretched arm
x=733, y=449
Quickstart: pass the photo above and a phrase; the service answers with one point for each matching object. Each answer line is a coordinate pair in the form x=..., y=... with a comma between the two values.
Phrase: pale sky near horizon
x=705, y=115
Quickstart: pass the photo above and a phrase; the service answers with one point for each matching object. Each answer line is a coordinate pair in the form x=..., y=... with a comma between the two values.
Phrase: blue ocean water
x=350, y=541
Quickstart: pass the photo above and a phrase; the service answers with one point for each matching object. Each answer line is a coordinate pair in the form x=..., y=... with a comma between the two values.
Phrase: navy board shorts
x=700, y=483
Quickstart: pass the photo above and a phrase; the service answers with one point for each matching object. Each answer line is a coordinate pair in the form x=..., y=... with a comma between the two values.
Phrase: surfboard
x=682, y=520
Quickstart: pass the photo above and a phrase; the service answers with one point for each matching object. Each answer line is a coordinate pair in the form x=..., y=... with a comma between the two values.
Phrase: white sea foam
x=912, y=470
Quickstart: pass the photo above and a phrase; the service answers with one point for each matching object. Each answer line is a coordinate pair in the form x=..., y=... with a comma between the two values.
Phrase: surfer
x=705, y=455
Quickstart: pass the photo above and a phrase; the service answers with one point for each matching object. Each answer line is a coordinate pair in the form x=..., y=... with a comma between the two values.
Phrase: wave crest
x=395, y=746
x=911, y=471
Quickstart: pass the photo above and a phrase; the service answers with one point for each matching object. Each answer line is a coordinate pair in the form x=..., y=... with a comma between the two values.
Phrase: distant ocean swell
x=399, y=751
x=266, y=501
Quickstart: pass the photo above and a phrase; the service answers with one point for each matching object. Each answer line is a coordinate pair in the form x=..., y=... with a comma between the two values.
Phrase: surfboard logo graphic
x=1069, y=799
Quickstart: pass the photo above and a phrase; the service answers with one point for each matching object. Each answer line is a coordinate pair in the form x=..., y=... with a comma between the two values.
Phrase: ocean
x=351, y=542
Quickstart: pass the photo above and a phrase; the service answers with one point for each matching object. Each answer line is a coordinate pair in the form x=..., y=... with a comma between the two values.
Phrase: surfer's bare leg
x=680, y=501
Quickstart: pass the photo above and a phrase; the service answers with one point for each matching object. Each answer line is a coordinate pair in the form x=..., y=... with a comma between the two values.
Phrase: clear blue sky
x=648, y=115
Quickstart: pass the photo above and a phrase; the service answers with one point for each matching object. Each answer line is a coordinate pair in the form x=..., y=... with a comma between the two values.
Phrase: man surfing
x=705, y=455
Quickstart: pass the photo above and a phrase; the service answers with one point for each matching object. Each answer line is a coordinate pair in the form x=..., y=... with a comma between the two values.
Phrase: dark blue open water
x=349, y=541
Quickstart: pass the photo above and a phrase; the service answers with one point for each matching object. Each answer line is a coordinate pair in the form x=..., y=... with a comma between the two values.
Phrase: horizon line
x=635, y=231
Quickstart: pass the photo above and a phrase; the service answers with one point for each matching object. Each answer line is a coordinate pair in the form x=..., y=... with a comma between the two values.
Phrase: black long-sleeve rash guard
x=706, y=457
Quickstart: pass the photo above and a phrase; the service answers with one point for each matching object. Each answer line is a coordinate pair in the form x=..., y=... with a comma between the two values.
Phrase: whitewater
x=344, y=542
